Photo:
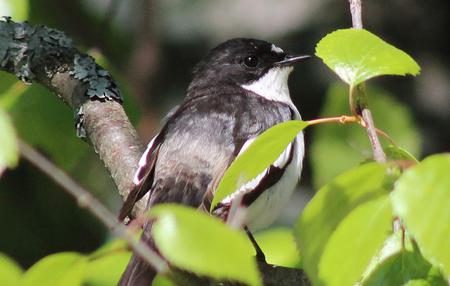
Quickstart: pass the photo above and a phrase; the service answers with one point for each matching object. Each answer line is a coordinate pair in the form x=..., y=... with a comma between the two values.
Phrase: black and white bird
x=238, y=90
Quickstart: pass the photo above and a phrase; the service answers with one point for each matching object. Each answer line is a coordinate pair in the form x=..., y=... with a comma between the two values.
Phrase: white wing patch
x=143, y=162
x=284, y=157
x=280, y=162
x=267, y=207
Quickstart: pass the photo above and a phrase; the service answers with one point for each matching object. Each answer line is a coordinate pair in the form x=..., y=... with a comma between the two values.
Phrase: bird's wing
x=143, y=178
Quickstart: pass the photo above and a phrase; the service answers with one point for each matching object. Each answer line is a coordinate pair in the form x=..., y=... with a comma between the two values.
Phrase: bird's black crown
x=236, y=61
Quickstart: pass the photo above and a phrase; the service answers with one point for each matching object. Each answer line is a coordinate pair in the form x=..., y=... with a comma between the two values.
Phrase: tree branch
x=358, y=100
x=47, y=56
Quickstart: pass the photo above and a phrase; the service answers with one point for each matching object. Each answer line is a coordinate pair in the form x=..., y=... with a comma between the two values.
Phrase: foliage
x=421, y=199
x=101, y=268
x=348, y=144
x=345, y=234
x=10, y=272
x=331, y=218
x=18, y=9
x=279, y=247
x=202, y=244
x=357, y=55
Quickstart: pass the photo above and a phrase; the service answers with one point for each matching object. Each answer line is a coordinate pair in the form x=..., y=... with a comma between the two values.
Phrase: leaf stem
x=340, y=119
x=344, y=119
x=86, y=200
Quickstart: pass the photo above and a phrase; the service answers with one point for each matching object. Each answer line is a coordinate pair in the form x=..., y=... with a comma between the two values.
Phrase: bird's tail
x=139, y=272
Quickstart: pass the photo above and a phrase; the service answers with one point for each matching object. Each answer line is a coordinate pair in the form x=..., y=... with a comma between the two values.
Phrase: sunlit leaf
x=422, y=200
x=418, y=282
x=397, y=242
x=202, y=244
x=278, y=245
x=66, y=268
x=10, y=271
x=106, y=269
x=398, y=153
x=331, y=205
x=9, y=152
x=262, y=152
x=336, y=147
x=162, y=281
x=356, y=55
x=354, y=242
x=403, y=267
x=17, y=9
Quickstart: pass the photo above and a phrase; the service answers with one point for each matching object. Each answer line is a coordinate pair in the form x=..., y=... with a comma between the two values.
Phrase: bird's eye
x=251, y=61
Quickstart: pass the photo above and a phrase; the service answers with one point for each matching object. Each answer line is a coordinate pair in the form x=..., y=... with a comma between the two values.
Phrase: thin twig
x=355, y=9
x=379, y=132
x=86, y=200
x=378, y=153
x=359, y=98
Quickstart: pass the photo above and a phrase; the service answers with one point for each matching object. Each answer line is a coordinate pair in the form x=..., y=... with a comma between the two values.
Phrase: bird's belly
x=267, y=207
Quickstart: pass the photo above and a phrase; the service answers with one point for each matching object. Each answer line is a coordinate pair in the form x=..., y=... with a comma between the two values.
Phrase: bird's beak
x=290, y=60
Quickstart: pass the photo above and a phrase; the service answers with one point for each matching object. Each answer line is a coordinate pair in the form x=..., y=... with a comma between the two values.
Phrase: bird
x=238, y=90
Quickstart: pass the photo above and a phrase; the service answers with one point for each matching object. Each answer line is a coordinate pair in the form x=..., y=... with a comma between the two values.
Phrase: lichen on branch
x=25, y=49
x=47, y=56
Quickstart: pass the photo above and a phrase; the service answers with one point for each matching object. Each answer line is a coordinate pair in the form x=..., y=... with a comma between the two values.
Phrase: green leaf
x=278, y=245
x=160, y=280
x=202, y=244
x=9, y=153
x=354, y=242
x=404, y=267
x=356, y=55
x=399, y=262
x=107, y=269
x=331, y=205
x=17, y=9
x=336, y=147
x=262, y=152
x=422, y=200
x=65, y=268
x=394, y=244
x=398, y=153
x=418, y=282
x=10, y=271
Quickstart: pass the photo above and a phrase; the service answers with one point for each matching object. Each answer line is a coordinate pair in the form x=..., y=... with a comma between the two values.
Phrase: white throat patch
x=273, y=85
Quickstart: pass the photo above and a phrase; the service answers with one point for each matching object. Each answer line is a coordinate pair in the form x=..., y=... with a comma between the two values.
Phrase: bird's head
x=255, y=65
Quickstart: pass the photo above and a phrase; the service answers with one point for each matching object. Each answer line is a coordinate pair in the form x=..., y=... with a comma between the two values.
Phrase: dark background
x=151, y=47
